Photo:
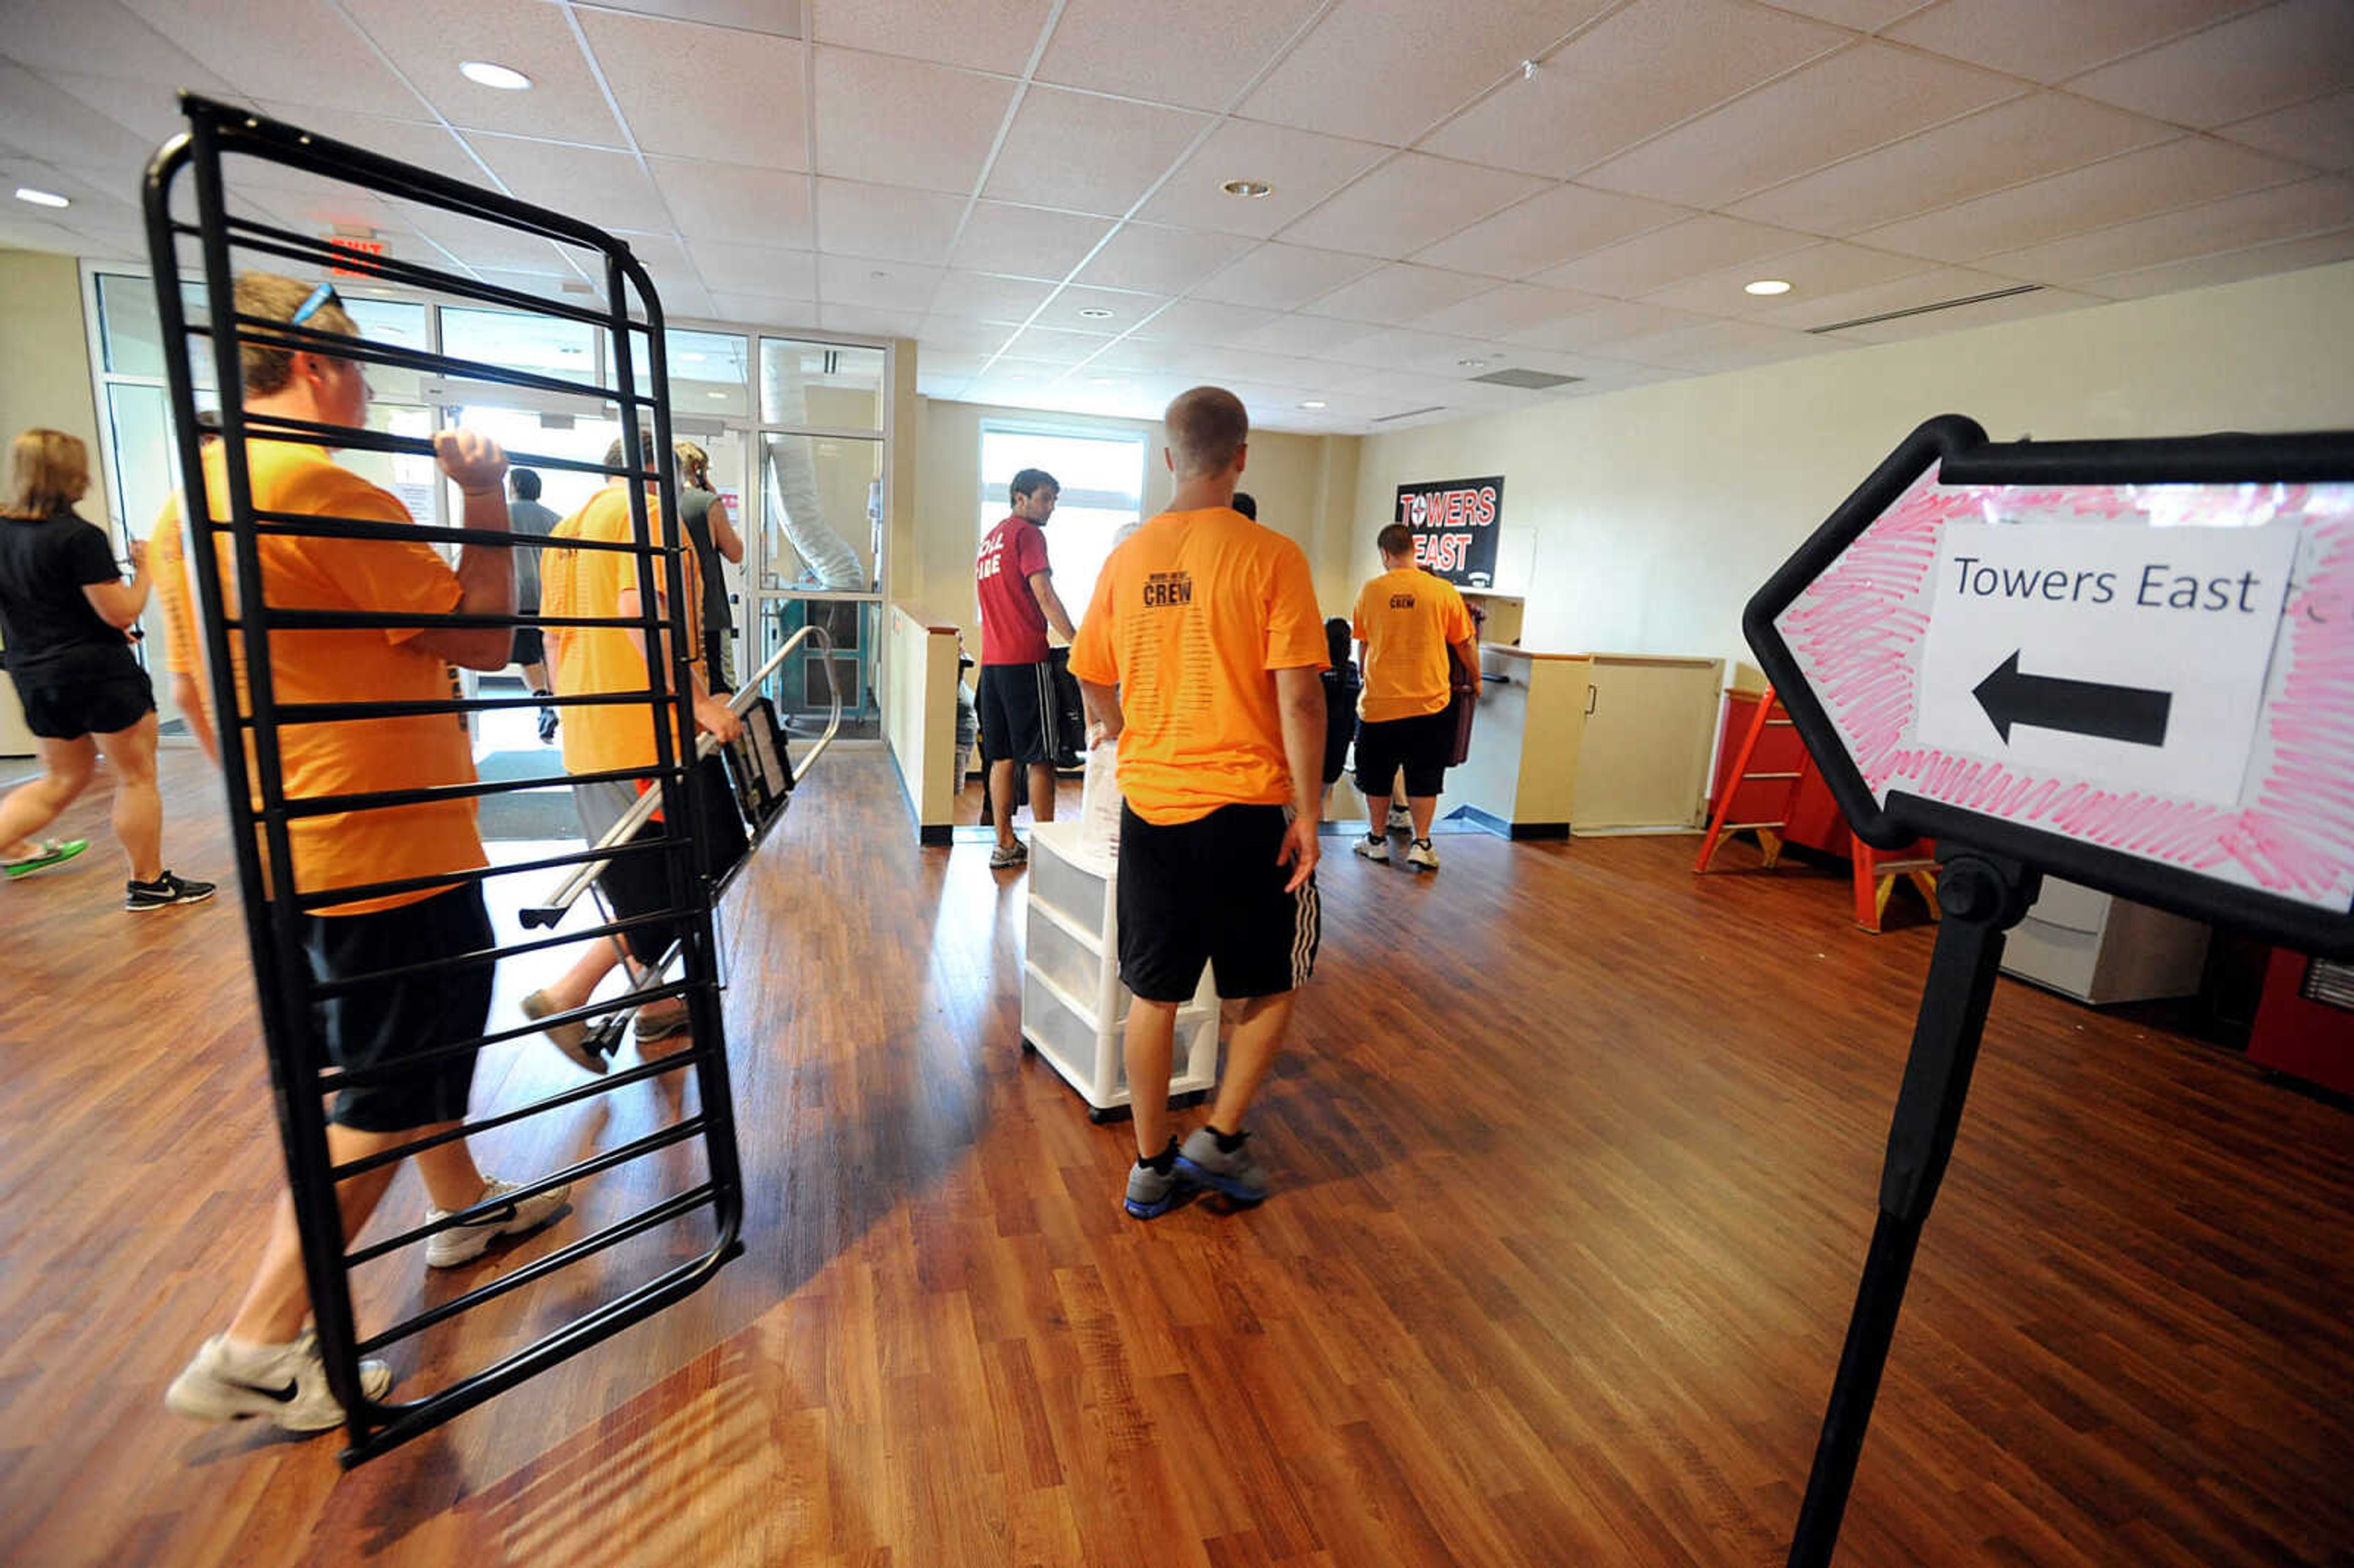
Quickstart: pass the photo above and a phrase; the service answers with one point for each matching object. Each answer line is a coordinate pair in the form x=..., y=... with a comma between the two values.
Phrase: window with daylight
x=1102, y=479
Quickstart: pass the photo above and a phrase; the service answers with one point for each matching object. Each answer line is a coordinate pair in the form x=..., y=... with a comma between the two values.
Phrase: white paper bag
x=1100, y=802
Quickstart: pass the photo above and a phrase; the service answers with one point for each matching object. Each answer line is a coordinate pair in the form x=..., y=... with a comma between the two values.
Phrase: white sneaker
x=1421, y=856
x=1373, y=846
x=463, y=1244
x=1401, y=819
x=284, y=1383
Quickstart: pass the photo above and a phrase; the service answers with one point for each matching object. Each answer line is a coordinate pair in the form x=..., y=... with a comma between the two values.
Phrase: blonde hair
x=1206, y=428
x=49, y=473
x=695, y=461
x=269, y=297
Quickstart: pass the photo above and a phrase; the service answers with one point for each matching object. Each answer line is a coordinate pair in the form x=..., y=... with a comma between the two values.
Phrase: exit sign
x=354, y=247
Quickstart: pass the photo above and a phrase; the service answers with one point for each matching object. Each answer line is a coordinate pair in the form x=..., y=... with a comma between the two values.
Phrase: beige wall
x=1306, y=487
x=44, y=380
x=1657, y=512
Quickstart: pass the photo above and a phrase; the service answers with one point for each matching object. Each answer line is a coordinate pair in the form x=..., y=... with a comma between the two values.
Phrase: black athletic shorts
x=78, y=705
x=1210, y=892
x=1019, y=718
x=1421, y=745
x=530, y=646
x=377, y=1025
x=639, y=885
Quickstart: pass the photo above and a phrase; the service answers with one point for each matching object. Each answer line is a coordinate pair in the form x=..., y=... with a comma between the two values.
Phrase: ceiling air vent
x=1924, y=310
x=1411, y=413
x=1532, y=380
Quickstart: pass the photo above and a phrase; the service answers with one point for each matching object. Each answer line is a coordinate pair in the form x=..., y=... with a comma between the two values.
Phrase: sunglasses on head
x=319, y=299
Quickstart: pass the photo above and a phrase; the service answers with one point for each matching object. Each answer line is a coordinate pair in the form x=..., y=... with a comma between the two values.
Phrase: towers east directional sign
x=2128, y=663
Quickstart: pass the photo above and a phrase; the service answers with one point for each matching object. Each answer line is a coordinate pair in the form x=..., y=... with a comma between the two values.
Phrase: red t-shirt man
x=1017, y=699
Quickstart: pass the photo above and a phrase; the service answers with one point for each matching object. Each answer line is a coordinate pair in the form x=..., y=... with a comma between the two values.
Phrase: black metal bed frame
x=260, y=811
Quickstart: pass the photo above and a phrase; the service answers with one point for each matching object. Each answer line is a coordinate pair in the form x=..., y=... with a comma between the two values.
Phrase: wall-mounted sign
x=369, y=247
x=1455, y=522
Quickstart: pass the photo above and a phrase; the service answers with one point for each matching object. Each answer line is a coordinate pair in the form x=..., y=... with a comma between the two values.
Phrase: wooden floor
x=1576, y=1159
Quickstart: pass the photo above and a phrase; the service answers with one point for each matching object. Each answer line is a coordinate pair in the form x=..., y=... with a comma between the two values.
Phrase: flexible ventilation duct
x=792, y=479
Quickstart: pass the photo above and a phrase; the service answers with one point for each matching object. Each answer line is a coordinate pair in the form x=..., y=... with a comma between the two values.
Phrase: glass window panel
x=515, y=342
x=821, y=526
x=1101, y=480
x=410, y=476
x=525, y=434
x=800, y=690
x=821, y=384
x=710, y=375
x=134, y=338
x=147, y=474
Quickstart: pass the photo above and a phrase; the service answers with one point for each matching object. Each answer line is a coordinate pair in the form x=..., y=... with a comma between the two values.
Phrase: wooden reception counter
x=1589, y=743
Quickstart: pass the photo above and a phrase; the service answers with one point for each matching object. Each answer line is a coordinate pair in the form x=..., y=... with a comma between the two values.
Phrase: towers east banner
x=1454, y=524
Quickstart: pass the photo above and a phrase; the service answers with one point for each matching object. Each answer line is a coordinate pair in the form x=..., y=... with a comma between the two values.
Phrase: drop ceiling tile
x=954, y=334
x=1961, y=318
x=781, y=312
x=1849, y=103
x=1046, y=346
x=2006, y=145
x=1515, y=307
x=470, y=240
x=894, y=286
x=1026, y=241
x=756, y=270
x=1713, y=346
x=890, y=223
x=2320, y=133
x=868, y=128
x=980, y=34
x=863, y=321
x=2284, y=212
x=977, y=296
x=56, y=128
x=1303, y=168
x=725, y=201
x=1565, y=221
x=2205, y=272
x=705, y=92
x=1121, y=150
x=1865, y=15
x=1398, y=293
x=1204, y=320
x=1662, y=256
x=539, y=285
x=934, y=364
x=2051, y=43
x=1804, y=310
x=1281, y=277
x=1630, y=76
x=1387, y=70
x=2132, y=185
x=1234, y=366
x=1818, y=270
x=1315, y=336
x=99, y=201
x=1159, y=260
x=151, y=112
x=305, y=54
x=429, y=38
x=427, y=145
x=1138, y=356
x=1441, y=354
x=1071, y=306
x=746, y=15
x=1608, y=323
x=30, y=234
x=1097, y=45
x=2263, y=60
x=104, y=38
x=1410, y=203
x=606, y=188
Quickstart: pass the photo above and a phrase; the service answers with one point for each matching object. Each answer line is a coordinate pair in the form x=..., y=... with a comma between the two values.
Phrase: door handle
x=1593, y=694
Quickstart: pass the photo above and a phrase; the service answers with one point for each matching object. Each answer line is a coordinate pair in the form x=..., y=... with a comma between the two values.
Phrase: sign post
x=2129, y=663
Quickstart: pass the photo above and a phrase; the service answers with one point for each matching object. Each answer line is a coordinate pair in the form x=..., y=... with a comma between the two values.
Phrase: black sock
x=1227, y=1141
x=1161, y=1163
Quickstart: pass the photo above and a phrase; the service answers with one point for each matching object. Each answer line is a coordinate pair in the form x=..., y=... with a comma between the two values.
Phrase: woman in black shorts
x=65, y=615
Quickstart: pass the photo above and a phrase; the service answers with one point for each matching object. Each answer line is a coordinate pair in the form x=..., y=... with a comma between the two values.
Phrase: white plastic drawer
x=1068, y=1037
x=1064, y=958
x=1072, y=890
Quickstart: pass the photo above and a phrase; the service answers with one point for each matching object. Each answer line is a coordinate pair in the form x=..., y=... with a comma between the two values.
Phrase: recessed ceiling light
x=507, y=78
x=1097, y=314
x=1313, y=403
x=1471, y=363
x=1252, y=189
x=1766, y=286
x=40, y=197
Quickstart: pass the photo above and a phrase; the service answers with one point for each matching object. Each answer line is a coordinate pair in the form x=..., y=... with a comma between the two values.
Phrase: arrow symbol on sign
x=2129, y=714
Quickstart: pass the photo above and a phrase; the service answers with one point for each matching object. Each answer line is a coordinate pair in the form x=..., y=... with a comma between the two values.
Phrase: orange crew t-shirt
x=1407, y=619
x=596, y=660
x=1190, y=618
x=350, y=757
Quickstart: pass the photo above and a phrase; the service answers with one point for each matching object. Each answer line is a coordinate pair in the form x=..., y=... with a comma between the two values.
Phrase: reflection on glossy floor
x=1576, y=1155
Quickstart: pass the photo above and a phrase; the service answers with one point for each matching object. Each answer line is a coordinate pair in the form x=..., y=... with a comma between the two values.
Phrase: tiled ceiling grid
x=1031, y=188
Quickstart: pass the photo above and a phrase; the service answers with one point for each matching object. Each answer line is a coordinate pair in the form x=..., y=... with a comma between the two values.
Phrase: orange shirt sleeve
x=397, y=578
x=168, y=566
x=1295, y=629
x=1357, y=615
x=1092, y=656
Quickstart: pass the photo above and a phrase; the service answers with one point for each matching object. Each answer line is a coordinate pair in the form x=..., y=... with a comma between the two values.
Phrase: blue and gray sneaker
x=1150, y=1193
x=1232, y=1172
